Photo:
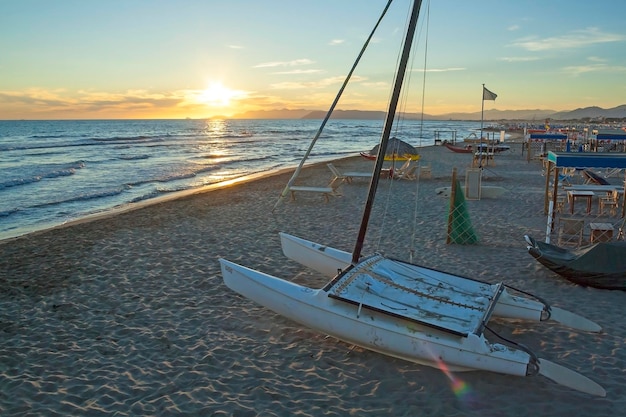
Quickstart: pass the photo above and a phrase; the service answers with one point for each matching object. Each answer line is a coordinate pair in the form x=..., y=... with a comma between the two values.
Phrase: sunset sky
x=97, y=59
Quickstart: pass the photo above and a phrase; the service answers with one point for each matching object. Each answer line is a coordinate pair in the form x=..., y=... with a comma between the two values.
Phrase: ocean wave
x=38, y=145
x=47, y=136
x=84, y=197
x=40, y=173
x=7, y=213
x=40, y=154
x=147, y=196
x=210, y=156
x=165, y=178
x=124, y=139
x=133, y=157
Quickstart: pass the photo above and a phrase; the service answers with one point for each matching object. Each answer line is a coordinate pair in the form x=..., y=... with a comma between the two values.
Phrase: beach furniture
x=610, y=201
x=393, y=172
x=326, y=192
x=425, y=172
x=573, y=195
x=571, y=231
x=346, y=176
x=593, y=178
x=408, y=174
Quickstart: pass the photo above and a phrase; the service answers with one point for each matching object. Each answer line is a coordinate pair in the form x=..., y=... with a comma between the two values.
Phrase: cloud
x=294, y=63
x=34, y=97
x=323, y=83
x=576, y=70
x=376, y=85
x=83, y=100
x=235, y=46
x=298, y=72
x=518, y=58
x=513, y=27
x=575, y=39
x=439, y=69
x=336, y=42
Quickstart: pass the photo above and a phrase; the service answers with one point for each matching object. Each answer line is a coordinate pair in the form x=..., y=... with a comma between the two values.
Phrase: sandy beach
x=127, y=315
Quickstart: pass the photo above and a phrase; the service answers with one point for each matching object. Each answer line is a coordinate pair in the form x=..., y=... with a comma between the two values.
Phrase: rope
x=534, y=360
x=285, y=191
x=444, y=300
x=400, y=119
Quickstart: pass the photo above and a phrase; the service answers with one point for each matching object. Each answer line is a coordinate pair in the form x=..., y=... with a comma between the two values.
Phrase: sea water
x=52, y=172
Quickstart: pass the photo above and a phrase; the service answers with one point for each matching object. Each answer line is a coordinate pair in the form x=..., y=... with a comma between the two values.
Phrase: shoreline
x=114, y=211
x=514, y=138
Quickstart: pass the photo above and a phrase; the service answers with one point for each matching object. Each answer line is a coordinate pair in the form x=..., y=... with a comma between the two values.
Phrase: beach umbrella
x=397, y=150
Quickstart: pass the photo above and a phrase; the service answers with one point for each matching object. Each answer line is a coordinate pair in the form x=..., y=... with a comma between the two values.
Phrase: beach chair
x=408, y=174
x=611, y=201
x=346, y=176
x=425, y=171
x=326, y=192
x=565, y=180
x=593, y=178
x=396, y=173
x=560, y=201
x=571, y=231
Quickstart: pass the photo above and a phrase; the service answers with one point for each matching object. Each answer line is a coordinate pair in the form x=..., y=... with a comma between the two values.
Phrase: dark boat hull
x=600, y=266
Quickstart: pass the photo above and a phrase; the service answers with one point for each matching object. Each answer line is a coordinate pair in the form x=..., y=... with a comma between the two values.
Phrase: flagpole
x=487, y=95
x=482, y=113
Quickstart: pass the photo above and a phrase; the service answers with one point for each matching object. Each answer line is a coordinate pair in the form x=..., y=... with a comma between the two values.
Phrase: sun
x=217, y=95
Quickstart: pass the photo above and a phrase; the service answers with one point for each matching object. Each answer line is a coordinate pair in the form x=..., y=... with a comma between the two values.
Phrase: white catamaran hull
x=371, y=330
x=437, y=341
x=328, y=261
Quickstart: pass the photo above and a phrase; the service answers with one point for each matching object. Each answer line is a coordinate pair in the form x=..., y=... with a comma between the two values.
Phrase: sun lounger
x=405, y=172
x=592, y=177
x=408, y=174
x=346, y=176
x=325, y=191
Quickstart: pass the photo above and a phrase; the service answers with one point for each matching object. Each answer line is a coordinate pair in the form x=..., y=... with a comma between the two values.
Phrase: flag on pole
x=488, y=95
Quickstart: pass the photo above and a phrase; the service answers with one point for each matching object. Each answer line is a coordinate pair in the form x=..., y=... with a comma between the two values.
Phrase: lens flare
x=460, y=388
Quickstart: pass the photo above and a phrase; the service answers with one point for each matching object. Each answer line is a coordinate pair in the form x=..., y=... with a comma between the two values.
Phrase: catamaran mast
x=330, y=110
x=391, y=114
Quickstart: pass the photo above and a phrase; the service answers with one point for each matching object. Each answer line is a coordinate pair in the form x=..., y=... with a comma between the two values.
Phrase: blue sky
x=200, y=58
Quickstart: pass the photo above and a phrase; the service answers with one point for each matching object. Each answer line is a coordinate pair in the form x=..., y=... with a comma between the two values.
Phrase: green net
x=460, y=228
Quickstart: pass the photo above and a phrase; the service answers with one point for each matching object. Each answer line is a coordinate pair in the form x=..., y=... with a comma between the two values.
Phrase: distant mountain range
x=588, y=113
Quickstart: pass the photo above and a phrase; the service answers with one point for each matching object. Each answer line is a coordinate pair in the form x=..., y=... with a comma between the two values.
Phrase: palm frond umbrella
x=397, y=150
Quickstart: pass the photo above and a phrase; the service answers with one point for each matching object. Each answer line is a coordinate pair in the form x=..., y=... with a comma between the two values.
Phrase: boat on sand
x=403, y=310
x=458, y=149
x=601, y=265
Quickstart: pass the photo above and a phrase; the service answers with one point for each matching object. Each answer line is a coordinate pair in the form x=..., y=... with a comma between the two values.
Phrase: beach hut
x=610, y=140
x=559, y=162
x=539, y=143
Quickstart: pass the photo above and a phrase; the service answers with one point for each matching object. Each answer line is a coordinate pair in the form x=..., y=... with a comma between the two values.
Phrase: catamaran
x=403, y=310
